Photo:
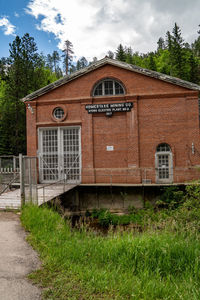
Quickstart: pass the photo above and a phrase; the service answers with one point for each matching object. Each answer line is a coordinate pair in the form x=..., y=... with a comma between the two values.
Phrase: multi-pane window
x=163, y=154
x=163, y=148
x=108, y=87
x=163, y=166
x=58, y=113
x=50, y=154
x=59, y=152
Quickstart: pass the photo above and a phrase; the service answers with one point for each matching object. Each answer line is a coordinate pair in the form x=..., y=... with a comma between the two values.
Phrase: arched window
x=164, y=163
x=163, y=148
x=108, y=87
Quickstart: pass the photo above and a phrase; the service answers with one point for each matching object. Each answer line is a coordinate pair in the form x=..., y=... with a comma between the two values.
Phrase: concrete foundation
x=114, y=198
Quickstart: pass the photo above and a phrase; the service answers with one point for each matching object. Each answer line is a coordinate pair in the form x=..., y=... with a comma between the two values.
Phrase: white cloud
x=16, y=14
x=95, y=26
x=8, y=28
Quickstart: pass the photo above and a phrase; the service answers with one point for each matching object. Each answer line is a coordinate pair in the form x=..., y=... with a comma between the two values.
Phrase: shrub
x=171, y=198
x=192, y=196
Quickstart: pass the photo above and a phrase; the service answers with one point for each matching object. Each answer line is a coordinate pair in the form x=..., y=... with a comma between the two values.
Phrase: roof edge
x=116, y=63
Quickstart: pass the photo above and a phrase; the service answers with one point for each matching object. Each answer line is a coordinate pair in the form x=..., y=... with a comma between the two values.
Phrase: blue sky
x=96, y=26
x=14, y=12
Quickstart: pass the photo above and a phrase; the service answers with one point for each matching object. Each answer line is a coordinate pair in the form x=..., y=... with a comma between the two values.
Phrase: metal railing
x=62, y=181
x=8, y=185
x=9, y=164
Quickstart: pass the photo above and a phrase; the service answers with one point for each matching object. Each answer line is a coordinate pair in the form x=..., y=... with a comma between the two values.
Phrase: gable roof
x=114, y=62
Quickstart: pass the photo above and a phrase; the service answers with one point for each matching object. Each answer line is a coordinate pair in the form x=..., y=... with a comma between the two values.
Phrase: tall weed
x=161, y=264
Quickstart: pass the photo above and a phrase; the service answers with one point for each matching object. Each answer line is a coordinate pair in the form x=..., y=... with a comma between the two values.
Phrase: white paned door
x=59, y=154
x=164, y=170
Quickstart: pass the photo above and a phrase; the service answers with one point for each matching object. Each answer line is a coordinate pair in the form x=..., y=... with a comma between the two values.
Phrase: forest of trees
x=25, y=70
x=173, y=56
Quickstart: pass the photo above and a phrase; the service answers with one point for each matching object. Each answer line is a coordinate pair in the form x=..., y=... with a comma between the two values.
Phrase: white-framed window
x=108, y=87
x=164, y=163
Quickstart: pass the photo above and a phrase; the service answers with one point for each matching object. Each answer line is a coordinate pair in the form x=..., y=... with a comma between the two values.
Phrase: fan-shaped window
x=163, y=148
x=108, y=87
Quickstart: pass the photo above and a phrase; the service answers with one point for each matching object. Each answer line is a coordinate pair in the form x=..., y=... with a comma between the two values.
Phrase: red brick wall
x=162, y=113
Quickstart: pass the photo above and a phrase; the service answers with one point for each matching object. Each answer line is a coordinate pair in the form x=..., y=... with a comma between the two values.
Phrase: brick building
x=115, y=122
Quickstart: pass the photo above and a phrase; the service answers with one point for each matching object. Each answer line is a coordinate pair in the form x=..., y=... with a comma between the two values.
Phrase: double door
x=59, y=154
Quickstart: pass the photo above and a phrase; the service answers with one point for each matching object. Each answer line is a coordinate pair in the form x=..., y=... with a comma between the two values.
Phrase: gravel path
x=17, y=259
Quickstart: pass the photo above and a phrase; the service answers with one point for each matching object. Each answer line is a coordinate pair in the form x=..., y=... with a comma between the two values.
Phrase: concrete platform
x=12, y=199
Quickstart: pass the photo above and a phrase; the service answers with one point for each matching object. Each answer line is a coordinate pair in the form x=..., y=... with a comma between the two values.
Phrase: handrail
x=8, y=184
x=64, y=180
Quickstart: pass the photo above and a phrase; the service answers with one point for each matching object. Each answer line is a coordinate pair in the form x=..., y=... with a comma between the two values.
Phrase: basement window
x=108, y=87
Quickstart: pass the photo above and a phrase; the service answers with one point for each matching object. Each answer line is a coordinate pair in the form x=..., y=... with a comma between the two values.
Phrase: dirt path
x=17, y=259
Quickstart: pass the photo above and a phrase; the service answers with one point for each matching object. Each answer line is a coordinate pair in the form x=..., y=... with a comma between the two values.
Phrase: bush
x=171, y=198
x=192, y=196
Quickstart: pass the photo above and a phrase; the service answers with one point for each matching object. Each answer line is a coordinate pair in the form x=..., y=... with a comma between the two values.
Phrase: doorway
x=164, y=164
x=59, y=154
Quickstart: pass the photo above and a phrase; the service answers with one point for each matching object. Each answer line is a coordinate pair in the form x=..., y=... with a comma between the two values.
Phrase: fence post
x=29, y=178
x=22, y=189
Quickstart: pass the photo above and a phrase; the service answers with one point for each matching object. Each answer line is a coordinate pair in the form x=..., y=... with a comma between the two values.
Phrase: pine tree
x=110, y=54
x=25, y=73
x=168, y=41
x=196, y=47
x=177, y=52
x=3, y=68
x=120, y=53
x=161, y=44
x=49, y=62
x=151, y=62
x=129, y=55
x=78, y=65
x=84, y=62
x=194, y=69
x=68, y=55
x=81, y=63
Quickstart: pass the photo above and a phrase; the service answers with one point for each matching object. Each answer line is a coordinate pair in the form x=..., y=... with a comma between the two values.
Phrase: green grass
x=157, y=264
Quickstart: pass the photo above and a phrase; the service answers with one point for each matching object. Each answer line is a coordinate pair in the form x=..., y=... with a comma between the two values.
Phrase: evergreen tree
x=161, y=44
x=129, y=55
x=72, y=69
x=110, y=54
x=151, y=62
x=3, y=68
x=84, y=62
x=81, y=63
x=94, y=59
x=68, y=55
x=194, y=69
x=78, y=65
x=55, y=60
x=120, y=53
x=196, y=47
x=49, y=62
x=177, y=52
x=25, y=73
